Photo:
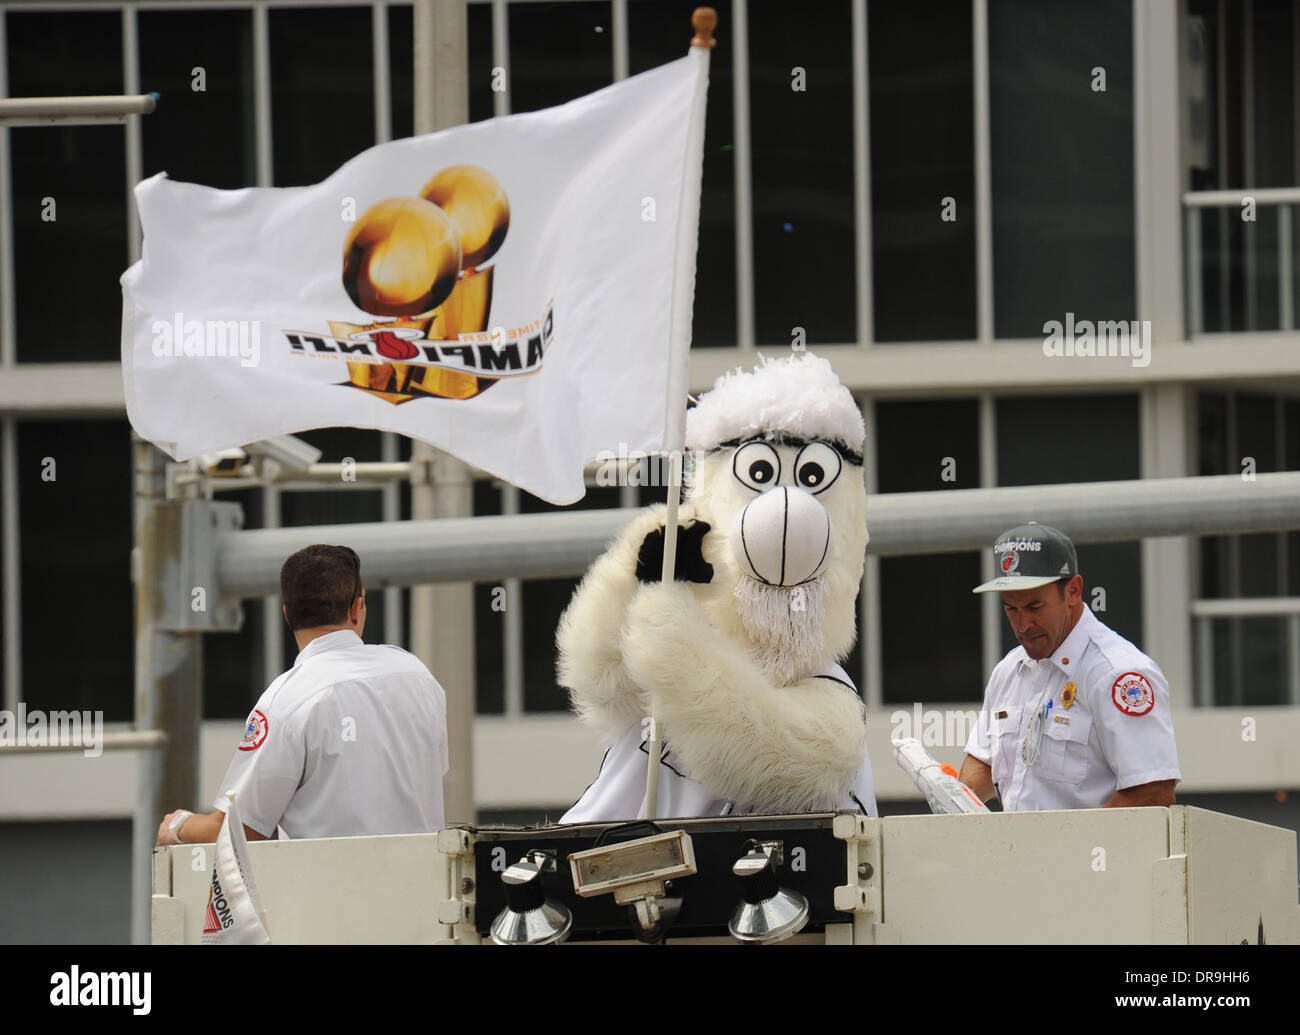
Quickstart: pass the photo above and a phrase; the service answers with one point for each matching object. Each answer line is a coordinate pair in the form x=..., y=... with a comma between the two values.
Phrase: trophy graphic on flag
x=419, y=260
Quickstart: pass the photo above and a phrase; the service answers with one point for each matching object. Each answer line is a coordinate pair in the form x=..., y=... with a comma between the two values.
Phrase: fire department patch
x=254, y=732
x=1132, y=694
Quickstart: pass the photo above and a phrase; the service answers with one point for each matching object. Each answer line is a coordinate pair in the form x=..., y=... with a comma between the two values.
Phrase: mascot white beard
x=736, y=657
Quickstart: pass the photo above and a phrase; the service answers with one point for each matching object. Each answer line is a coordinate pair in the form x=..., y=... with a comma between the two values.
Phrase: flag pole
x=703, y=20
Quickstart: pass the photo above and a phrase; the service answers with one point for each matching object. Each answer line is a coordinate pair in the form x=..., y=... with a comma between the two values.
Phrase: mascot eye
x=757, y=466
x=817, y=466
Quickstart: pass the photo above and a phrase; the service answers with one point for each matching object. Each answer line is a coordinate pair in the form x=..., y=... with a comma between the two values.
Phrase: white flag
x=501, y=290
x=235, y=915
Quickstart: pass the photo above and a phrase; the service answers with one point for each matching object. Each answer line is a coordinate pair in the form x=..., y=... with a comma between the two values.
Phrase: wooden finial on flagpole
x=704, y=20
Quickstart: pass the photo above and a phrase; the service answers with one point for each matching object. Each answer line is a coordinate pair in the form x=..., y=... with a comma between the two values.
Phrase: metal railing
x=1205, y=612
x=1195, y=202
x=125, y=740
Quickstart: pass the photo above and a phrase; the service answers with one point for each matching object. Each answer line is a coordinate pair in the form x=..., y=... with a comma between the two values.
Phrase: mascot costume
x=737, y=657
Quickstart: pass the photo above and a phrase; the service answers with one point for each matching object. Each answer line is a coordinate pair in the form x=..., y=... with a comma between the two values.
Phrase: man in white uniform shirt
x=352, y=740
x=1075, y=717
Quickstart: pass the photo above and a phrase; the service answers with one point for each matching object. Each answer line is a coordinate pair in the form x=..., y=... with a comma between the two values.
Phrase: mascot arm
x=793, y=748
x=590, y=634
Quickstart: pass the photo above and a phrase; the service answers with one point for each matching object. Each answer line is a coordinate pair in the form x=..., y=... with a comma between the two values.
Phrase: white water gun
x=939, y=783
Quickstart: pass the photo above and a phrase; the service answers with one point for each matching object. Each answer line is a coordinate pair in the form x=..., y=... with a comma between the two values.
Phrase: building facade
x=919, y=192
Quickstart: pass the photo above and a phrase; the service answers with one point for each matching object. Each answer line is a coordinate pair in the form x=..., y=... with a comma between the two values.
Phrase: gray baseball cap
x=1029, y=556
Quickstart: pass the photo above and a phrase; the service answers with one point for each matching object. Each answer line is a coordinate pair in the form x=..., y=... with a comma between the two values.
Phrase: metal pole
x=442, y=617
x=862, y=175
x=513, y=669
x=1285, y=284
x=73, y=111
x=10, y=557
x=990, y=605
x=168, y=678
x=869, y=615
x=1193, y=246
x=984, y=300
x=146, y=740
x=1250, y=227
x=742, y=155
x=562, y=545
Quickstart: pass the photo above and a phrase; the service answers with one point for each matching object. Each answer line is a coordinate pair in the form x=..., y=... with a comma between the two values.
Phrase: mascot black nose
x=782, y=538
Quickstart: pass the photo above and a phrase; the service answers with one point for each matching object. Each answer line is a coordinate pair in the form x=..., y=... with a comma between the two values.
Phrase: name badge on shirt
x=1000, y=715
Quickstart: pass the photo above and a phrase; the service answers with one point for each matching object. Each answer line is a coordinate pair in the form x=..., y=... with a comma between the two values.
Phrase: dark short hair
x=318, y=585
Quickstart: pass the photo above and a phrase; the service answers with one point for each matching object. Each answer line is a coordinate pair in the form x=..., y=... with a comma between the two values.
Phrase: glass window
x=322, y=90
x=929, y=620
x=801, y=98
x=69, y=190
x=203, y=128
x=78, y=606
x=544, y=602
x=1052, y=440
x=559, y=52
x=660, y=32
x=922, y=154
x=1251, y=89
x=1238, y=432
x=1249, y=660
x=1062, y=162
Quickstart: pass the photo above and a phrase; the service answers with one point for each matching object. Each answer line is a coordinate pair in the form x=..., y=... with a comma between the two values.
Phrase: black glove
x=690, y=564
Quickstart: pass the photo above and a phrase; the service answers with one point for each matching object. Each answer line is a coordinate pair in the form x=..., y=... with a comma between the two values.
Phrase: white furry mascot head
x=737, y=656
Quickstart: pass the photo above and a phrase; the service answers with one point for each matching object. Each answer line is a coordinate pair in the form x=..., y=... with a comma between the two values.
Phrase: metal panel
x=1023, y=876
x=1240, y=881
x=358, y=890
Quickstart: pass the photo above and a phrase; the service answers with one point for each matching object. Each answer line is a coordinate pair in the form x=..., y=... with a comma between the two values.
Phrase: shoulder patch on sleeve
x=1132, y=694
x=254, y=731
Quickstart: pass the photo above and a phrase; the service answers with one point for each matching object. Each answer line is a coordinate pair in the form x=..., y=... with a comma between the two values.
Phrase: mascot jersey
x=619, y=789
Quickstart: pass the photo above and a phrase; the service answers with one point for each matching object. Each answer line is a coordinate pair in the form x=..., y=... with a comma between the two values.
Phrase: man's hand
x=1161, y=792
x=978, y=776
x=689, y=565
x=165, y=834
x=199, y=829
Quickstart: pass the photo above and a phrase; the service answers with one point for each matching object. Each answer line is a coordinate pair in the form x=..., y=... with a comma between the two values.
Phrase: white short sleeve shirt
x=352, y=740
x=618, y=792
x=1070, y=730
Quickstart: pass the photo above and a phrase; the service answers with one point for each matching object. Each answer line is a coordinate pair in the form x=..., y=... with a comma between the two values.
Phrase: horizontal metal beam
x=489, y=549
x=142, y=740
x=74, y=111
x=1089, y=512
x=1265, y=360
x=1227, y=198
x=1252, y=607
